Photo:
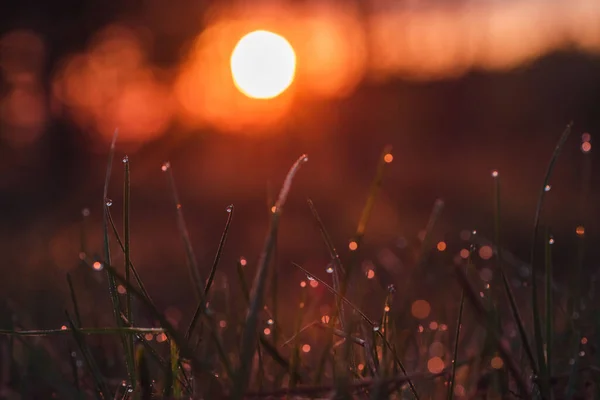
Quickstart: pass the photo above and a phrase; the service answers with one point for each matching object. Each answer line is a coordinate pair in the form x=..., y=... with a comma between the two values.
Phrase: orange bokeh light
x=388, y=158
x=435, y=365
x=497, y=362
x=441, y=246
x=353, y=245
x=420, y=309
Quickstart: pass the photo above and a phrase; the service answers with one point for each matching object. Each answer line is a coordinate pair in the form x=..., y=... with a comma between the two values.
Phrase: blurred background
x=457, y=88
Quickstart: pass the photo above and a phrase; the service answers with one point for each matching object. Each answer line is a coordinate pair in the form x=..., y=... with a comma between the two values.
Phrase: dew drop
x=329, y=270
x=229, y=208
x=547, y=188
x=474, y=232
x=375, y=329
x=551, y=240
x=304, y=158
x=85, y=212
x=495, y=173
x=125, y=159
x=165, y=167
x=391, y=288
x=109, y=202
x=178, y=206
x=270, y=321
x=310, y=278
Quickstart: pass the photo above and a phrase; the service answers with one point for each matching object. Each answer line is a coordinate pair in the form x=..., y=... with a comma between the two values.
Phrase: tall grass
x=356, y=349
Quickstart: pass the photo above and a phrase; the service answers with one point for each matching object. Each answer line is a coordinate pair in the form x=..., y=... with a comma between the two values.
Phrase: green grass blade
x=436, y=211
x=509, y=293
x=375, y=187
x=103, y=391
x=185, y=236
x=174, y=351
x=248, y=345
x=143, y=374
x=537, y=324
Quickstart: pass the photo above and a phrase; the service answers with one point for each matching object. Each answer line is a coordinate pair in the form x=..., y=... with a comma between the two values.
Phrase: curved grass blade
x=185, y=236
x=143, y=374
x=537, y=323
x=248, y=345
x=509, y=293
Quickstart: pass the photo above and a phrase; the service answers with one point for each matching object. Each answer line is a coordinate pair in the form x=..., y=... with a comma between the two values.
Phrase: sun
x=263, y=64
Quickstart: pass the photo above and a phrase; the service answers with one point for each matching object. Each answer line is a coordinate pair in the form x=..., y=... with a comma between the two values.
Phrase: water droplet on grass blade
x=329, y=270
x=109, y=202
x=229, y=208
x=125, y=159
x=165, y=167
x=547, y=188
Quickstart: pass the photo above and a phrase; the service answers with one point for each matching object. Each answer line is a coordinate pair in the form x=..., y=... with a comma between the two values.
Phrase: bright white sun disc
x=263, y=64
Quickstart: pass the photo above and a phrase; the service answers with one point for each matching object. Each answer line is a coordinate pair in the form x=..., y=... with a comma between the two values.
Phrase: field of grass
x=482, y=324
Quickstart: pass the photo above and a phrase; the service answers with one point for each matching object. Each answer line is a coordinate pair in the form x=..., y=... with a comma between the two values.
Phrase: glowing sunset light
x=263, y=64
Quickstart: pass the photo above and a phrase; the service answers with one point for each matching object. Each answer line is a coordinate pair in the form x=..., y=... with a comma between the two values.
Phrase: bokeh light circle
x=263, y=64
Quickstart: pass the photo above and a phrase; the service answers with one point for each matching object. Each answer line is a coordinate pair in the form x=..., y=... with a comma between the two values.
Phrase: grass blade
x=248, y=345
x=509, y=293
x=537, y=324
x=375, y=187
x=549, y=306
x=103, y=392
x=127, y=251
x=202, y=304
x=457, y=334
x=185, y=236
x=436, y=211
x=143, y=374
x=133, y=269
x=112, y=286
x=483, y=318
x=368, y=320
x=74, y=300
